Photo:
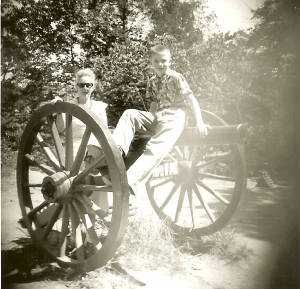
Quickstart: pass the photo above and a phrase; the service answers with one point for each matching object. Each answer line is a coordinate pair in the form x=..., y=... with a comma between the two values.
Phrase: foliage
x=274, y=55
x=250, y=76
x=227, y=245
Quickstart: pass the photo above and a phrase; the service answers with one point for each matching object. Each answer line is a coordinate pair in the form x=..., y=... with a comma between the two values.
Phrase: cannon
x=76, y=218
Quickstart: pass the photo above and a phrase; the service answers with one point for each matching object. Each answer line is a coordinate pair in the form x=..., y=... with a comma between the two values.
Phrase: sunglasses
x=82, y=85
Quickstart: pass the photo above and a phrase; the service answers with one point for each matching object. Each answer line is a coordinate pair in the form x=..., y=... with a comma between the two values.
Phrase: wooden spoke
x=192, y=153
x=214, y=176
x=57, y=141
x=48, y=152
x=213, y=161
x=34, y=185
x=186, y=152
x=46, y=169
x=35, y=210
x=52, y=221
x=204, y=204
x=165, y=168
x=69, y=142
x=38, y=208
x=64, y=231
x=89, y=169
x=81, y=152
x=191, y=203
x=86, y=188
x=169, y=197
x=214, y=193
x=171, y=157
x=86, y=202
x=44, y=215
x=60, y=122
x=180, y=202
x=88, y=222
x=91, y=206
x=74, y=221
x=100, y=212
x=76, y=232
x=85, y=209
x=100, y=195
x=178, y=152
x=167, y=180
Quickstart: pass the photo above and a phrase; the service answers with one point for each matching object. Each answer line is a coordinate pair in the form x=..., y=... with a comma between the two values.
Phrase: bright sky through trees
x=233, y=15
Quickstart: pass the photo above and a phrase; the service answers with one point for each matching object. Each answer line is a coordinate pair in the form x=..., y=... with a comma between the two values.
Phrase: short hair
x=160, y=49
x=85, y=72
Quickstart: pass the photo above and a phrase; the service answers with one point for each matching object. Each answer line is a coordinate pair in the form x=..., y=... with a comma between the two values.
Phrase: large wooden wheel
x=79, y=223
x=197, y=187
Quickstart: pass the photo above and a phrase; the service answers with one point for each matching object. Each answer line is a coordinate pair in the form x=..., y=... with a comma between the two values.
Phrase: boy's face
x=85, y=85
x=160, y=63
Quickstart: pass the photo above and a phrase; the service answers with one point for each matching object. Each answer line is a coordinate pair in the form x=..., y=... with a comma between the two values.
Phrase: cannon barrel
x=231, y=134
x=225, y=134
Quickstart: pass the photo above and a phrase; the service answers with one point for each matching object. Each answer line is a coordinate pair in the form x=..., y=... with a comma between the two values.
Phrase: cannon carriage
x=80, y=221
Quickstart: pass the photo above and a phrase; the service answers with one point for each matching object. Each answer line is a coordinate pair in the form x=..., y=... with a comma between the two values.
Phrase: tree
x=246, y=77
x=45, y=42
x=274, y=52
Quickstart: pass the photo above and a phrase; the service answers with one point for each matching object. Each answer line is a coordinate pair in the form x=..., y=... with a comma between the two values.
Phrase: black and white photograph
x=150, y=144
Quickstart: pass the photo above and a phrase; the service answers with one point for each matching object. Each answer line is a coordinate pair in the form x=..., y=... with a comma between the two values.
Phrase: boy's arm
x=193, y=103
x=188, y=95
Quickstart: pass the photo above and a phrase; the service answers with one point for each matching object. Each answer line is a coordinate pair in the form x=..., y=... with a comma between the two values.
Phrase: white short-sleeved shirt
x=99, y=109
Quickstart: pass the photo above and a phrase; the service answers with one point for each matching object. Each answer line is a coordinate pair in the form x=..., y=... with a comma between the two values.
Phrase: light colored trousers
x=166, y=127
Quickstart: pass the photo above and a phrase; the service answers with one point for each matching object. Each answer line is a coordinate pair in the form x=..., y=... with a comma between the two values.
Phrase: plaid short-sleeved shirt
x=169, y=91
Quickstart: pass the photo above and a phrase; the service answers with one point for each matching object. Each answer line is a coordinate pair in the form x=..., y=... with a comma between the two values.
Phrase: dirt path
x=260, y=227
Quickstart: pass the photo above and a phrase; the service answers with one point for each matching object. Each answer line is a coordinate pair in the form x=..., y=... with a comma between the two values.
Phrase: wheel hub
x=56, y=188
x=185, y=172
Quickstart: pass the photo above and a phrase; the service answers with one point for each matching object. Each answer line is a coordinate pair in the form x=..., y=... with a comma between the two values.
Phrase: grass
x=150, y=243
x=147, y=245
x=227, y=246
x=8, y=161
x=150, y=246
x=101, y=278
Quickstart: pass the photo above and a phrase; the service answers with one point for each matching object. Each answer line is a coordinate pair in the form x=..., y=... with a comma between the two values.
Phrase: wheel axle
x=56, y=188
x=185, y=172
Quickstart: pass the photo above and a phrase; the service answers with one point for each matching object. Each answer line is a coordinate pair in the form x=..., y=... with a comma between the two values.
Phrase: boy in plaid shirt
x=173, y=96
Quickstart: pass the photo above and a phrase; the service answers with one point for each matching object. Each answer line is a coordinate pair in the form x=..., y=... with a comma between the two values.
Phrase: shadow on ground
x=272, y=215
x=267, y=214
x=27, y=263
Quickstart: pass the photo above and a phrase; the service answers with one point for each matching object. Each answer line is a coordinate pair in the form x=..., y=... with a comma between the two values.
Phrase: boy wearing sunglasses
x=85, y=83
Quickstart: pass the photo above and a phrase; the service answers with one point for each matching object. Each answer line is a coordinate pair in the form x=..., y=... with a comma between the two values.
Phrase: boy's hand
x=56, y=99
x=202, y=128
